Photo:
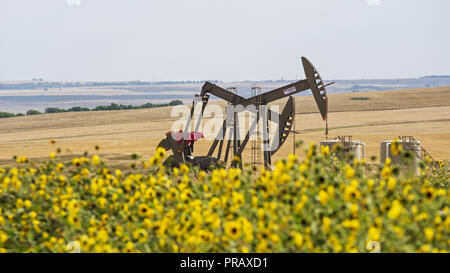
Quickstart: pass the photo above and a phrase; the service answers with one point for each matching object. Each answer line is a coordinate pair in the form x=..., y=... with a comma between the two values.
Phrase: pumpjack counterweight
x=183, y=147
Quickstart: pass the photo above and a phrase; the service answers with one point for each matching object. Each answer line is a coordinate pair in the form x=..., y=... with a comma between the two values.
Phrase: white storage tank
x=347, y=146
x=406, y=144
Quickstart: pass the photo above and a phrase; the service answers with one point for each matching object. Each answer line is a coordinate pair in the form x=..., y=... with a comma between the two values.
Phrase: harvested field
x=422, y=113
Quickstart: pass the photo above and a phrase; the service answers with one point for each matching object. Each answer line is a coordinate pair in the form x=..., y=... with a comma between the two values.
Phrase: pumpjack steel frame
x=183, y=149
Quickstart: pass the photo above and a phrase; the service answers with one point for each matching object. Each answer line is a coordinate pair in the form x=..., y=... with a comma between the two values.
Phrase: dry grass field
x=422, y=113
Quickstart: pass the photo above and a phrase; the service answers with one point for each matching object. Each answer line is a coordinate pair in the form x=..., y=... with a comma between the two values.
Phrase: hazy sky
x=114, y=40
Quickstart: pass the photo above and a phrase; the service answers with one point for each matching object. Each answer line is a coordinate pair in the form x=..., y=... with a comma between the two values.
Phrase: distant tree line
x=40, y=84
x=360, y=98
x=436, y=77
x=46, y=85
x=112, y=106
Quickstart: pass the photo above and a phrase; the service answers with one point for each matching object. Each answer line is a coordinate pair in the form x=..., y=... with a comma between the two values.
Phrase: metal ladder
x=423, y=154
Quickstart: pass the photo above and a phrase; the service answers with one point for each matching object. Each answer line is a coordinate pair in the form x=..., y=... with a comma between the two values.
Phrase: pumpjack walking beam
x=313, y=82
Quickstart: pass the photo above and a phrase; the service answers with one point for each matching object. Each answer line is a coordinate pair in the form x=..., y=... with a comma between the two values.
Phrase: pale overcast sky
x=115, y=40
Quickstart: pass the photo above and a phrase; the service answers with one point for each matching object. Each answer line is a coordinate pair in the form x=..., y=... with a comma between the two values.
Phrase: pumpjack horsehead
x=182, y=143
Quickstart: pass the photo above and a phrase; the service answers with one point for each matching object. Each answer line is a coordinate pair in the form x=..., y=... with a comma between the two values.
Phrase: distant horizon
x=24, y=95
x=222, y=81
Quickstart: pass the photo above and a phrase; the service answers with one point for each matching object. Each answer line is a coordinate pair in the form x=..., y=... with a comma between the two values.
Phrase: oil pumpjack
x=182, y=143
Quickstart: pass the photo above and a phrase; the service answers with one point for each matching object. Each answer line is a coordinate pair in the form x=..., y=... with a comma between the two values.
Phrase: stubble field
x=422, y=113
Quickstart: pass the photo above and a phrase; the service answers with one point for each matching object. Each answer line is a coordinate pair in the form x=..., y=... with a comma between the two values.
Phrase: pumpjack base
x=203, y=162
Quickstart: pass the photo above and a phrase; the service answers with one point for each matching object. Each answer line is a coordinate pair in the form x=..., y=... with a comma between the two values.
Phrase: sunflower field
x=319, y=204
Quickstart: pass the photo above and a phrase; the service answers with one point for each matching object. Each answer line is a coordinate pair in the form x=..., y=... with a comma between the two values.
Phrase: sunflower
x=396, y=148
x=429, y=193
x=59, y=167
x=325, y=150
x=351, y=193
x=186, y=195
x=143, y=210
x=102, y=236
x=349, y=172
x=160, y=152
x=149, y=193
x=204, y=235
x=326, y=224
x=76, y=162
x=395, y=210
x=429, y=234
x=129, y=247
x=323, y=197
x=153, y=161
x=141, y=235
x=233, y=229
x=3, y=237
x=95, y=160
x=298, y=239
x=184, y=169
x=172, y=194
x=264, y=234
x=237, y=198
x=214, y=203
x=373, y=234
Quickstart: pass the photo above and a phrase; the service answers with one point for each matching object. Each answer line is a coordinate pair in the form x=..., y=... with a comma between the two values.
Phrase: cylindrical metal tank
x=356, y=147
x=412, y=146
